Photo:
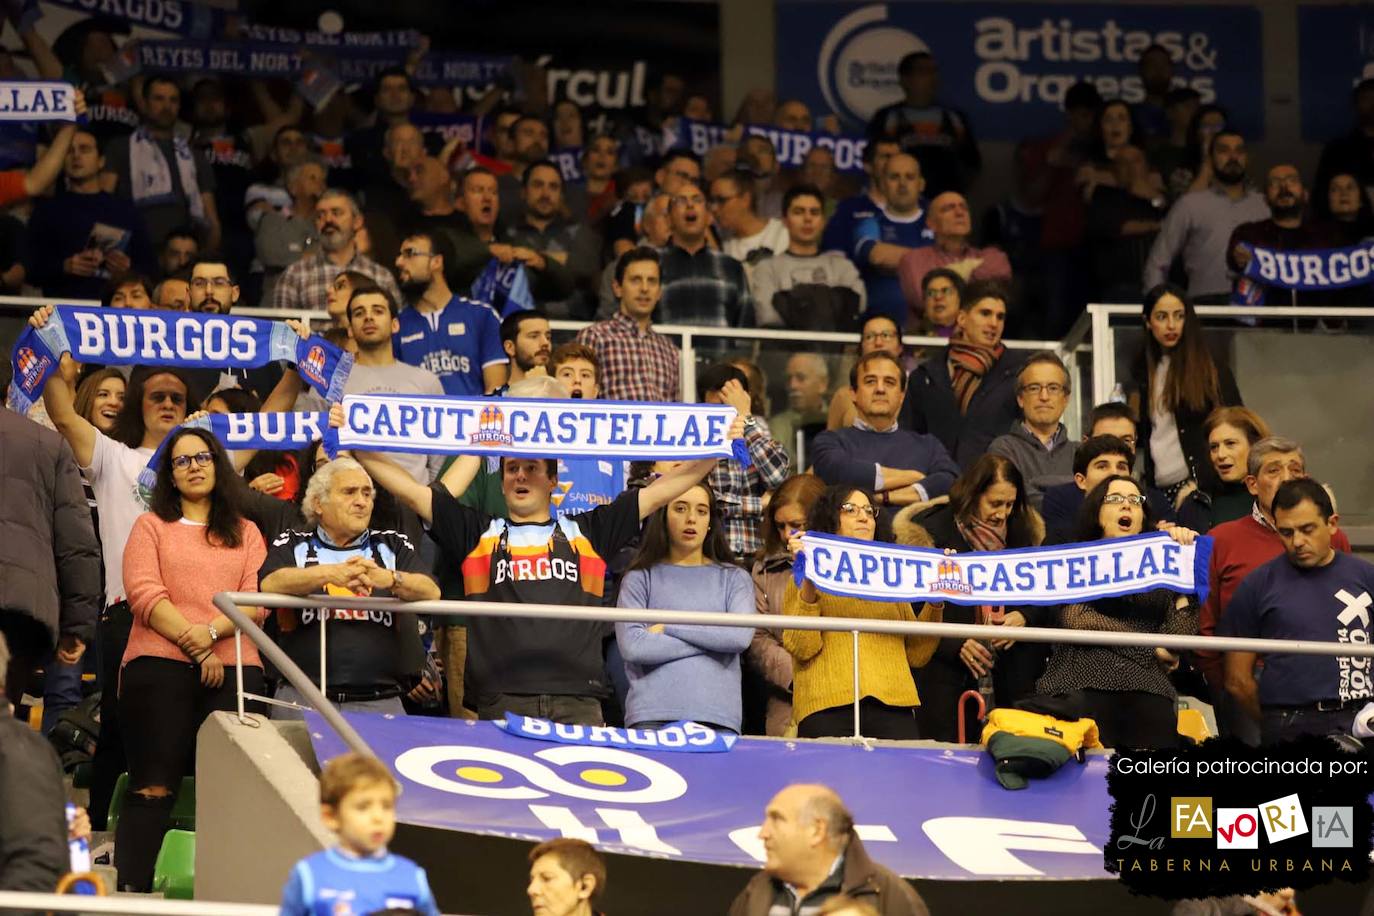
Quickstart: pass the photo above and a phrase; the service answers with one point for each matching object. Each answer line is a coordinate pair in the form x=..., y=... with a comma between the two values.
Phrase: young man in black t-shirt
x=547, y=668
x=1314, y=592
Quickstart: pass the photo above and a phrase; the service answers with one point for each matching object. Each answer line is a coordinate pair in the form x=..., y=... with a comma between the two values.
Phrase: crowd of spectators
x=358, y=217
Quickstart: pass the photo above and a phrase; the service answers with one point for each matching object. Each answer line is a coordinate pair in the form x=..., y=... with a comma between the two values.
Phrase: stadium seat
x=1192, y=726
x=174, y=874
x=183, y=812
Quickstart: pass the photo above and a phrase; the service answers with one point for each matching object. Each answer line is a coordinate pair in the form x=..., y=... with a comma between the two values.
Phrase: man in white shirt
x=750, y=236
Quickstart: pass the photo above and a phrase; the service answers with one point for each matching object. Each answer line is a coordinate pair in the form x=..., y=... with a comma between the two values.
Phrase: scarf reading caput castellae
x=969, y=363
x=878, y=571
x=139, y=337
x=532, y=428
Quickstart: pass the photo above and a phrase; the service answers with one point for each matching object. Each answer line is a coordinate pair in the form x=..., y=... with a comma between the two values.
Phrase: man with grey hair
x=808, y=399
x=1240, y=547
x=1038, y=444
x=339, y=226
x=339, y=553
x=813, y=855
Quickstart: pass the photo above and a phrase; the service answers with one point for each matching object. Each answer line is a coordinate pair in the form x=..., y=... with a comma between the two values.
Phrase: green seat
x=174, y=874
x=184, y=811
x=121, y=789
x=183, y=815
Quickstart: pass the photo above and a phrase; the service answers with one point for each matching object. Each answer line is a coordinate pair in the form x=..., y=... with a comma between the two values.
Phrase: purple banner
x=924, y=812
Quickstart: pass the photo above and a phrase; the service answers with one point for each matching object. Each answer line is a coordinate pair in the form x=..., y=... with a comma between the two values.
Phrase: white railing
x=130, y=905
x=229, y=604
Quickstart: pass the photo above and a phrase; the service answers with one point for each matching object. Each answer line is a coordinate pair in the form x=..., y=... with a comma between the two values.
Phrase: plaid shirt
x=707, y=288
x=740, y=490
x=305, y=284
x=635, y=365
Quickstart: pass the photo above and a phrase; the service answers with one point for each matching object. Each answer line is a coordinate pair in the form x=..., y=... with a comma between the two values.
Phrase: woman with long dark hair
x=823, y=674
x=1177, y=385
x=768, y=672
x=193, y=543
x=1126, y=689
x=677, y=671
x=987, y=510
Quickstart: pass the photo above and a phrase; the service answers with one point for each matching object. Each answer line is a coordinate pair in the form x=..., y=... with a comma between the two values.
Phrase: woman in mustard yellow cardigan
x=823, y=675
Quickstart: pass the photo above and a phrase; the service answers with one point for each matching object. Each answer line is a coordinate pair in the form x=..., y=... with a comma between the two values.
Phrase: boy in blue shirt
x=358, y=876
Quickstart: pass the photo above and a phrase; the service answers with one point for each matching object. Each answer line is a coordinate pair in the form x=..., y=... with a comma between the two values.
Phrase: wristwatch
x=395, y=579
x=214, y=634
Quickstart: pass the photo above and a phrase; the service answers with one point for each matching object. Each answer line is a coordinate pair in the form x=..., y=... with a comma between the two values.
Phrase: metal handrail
x=231, y=603
x=130, y=905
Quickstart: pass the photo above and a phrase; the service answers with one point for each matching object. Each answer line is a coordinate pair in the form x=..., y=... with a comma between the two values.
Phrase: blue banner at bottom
x=924, y=812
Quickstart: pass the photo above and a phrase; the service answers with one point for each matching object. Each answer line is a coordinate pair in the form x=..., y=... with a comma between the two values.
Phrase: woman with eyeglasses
x=1177, y=384
x=823, y=673
x=768, y=668
x=1125, y=689
x=987, y=510
x=177, y=669
x=684, y=563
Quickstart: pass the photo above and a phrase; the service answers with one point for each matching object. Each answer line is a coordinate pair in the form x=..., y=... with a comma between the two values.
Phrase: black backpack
x=77, y=732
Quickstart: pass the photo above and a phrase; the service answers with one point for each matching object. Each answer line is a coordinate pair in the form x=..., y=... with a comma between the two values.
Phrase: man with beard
x=529, y=145
x=338, y=221
x=561, y=256
x=1288, y=228
x=1200, y=224
x=456, y=338
x=526, y=338
x=215, y=291
x=373, y=318
x=170, y=183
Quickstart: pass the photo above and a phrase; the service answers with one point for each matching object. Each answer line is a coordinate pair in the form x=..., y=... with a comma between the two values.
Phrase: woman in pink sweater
x=192, y=544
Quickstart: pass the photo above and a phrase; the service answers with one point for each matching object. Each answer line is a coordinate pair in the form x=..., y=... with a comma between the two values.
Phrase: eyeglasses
x=940, y=292
x=854, y=509
x=413, y=253
x=202, y=459
x=157, y=397
x=216, y=282
x=880, y=335
x=1054, y=389
x=1117, y=499
x=695, y=200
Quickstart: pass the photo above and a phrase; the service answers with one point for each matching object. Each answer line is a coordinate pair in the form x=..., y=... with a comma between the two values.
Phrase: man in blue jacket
x=900, y=466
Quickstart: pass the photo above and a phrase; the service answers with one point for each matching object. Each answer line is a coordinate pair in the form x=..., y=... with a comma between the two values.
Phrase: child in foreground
x=358, y=876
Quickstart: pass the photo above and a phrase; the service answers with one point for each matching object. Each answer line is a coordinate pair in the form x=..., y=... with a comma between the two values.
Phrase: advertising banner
x=1008, y=65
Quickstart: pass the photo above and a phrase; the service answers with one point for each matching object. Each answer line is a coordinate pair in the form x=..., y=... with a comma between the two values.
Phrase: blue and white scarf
x=151, y=177
x=791, y=146
x=878, y=571
x=505, y=287
x=236, y=431
x=34, y=100
x=138, y=337
x=1311, y=269
x=531, y=428
x=682, y=736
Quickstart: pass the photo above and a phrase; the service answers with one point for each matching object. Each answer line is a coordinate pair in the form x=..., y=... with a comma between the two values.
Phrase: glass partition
x=1306, y=376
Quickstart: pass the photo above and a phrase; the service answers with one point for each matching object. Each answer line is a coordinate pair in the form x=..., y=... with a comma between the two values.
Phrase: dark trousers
x=1285, y=724
x=162, y=705
x=112, y=638
x=566, y=710
x=876, y=720
x=1132, y=718
x=28, y=641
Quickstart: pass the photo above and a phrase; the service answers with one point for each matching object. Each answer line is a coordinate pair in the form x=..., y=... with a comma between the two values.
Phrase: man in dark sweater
x=900, y=466
x=82, y=237
x=1038, y=444
x=965, y=395
x=1289, y=228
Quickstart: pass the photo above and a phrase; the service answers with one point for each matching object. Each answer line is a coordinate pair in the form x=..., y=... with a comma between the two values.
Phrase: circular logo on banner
x=858, y=62
x=593, y=773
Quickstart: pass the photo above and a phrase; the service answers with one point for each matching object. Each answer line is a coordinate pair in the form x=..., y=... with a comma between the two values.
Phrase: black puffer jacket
x=49, y=557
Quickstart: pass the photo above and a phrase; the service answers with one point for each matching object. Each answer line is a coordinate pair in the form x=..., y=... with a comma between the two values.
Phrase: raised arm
x=682, y=478
x=60, y=402
x=49, y=165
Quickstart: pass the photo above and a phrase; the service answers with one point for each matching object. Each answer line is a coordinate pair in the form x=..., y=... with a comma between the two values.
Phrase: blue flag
x=505, y=287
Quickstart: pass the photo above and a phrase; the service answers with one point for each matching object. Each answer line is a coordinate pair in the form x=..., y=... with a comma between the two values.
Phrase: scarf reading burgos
x=1311, y=269
x=137, y=337
x=529, y=428
x=236, y=431
x=969, y=363
x=1070, y=573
